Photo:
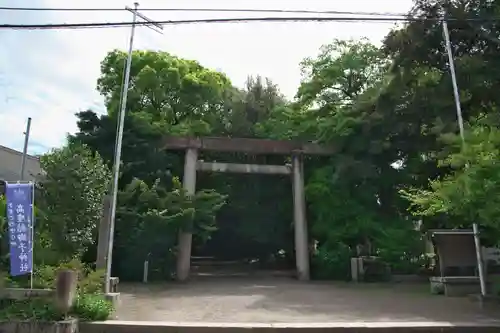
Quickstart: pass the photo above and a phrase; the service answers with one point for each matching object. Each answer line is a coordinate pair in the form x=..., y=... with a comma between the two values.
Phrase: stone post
x=103, y=237
x=66, y=283
x=185, y=238
x=300, y=223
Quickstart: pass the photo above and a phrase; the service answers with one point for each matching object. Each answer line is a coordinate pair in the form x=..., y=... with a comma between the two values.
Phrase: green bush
x=332, y=263
x=92, y=307
x=90, y=304
x=29, y=309
x=44, y=277
x=92, y=282
x=89, y=280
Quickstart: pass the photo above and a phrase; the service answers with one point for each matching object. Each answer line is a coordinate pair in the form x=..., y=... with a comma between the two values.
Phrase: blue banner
x=20, y=219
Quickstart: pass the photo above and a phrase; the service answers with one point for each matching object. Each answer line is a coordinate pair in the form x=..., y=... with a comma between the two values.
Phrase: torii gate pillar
x=186, y=236
x=299, y=218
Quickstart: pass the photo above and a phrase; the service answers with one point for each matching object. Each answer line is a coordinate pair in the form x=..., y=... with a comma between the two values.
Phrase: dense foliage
x=70, y=197
x=90, y=303
x=68, y=205
x=388, y=109
x=68, y=208
x=149, y=220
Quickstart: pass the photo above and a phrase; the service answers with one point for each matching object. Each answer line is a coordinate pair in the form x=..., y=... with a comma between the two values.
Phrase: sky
x=50, y=75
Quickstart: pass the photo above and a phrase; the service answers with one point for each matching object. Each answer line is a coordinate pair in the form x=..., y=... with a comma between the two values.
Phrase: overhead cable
x=233, y=20
x=232, y=10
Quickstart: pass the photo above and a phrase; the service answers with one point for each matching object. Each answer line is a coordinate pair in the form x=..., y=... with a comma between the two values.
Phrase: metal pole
x=456, y=94
x=120, y=106
x=479, y=257
x=118, y=151
x=475, y=227
x=25, y=149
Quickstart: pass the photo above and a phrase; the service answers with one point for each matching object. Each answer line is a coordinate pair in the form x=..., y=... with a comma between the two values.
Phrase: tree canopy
x=389, y=109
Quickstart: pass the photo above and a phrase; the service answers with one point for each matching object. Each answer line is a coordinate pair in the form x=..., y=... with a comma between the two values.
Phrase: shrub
x=332, y=263
x=86, y=307
x=92, y=307
x=90, y=304
x=89, y=281
x=29, y=309
x=92, y=283
x=44, y=277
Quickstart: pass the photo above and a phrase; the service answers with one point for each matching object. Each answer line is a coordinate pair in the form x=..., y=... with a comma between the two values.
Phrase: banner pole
x=21, y=230
x=32, y=231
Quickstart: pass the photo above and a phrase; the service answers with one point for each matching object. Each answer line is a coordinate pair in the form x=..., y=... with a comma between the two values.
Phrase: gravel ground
x=281, y=300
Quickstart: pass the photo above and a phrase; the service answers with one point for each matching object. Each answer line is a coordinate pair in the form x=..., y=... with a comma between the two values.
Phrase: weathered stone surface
x=22, y=293
x=243, y=168
x=246, y=145
x=113, y=282
x=206, y=327
x=66, y=326
x=66, y=284
x=454, y=286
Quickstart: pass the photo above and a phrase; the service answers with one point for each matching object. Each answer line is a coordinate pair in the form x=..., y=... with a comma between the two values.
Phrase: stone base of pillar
x=184, y=256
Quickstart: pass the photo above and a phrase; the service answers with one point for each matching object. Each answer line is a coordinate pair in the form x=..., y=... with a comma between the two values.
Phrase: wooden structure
x=254, y=146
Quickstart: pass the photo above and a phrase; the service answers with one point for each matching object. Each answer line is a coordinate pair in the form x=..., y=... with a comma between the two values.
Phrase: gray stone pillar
x=103, y=237
x=185, y=238
x=300, y=223
x=66, y=283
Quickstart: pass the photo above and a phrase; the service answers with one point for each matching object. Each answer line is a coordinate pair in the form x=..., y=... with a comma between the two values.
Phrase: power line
x=235, y=20
x=233, y=10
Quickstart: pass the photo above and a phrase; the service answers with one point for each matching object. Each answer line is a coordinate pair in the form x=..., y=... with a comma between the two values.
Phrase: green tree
x=352, y=196
x=341, y=72
x=167, y=96
x=70, y=196
x=148, y=223
x=419, y=91
x=167, y=93
x=469, y=194
x=386, y=109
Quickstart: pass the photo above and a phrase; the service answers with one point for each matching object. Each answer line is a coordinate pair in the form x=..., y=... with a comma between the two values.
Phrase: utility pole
x=453, y=73
x=458, y=107
x=25, y=149
x=119, y=139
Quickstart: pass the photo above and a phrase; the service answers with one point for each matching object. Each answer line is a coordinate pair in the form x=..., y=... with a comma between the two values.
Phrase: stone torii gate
x=253, y=146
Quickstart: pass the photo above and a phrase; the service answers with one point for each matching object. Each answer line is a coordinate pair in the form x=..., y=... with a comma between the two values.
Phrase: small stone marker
x=66, y=283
